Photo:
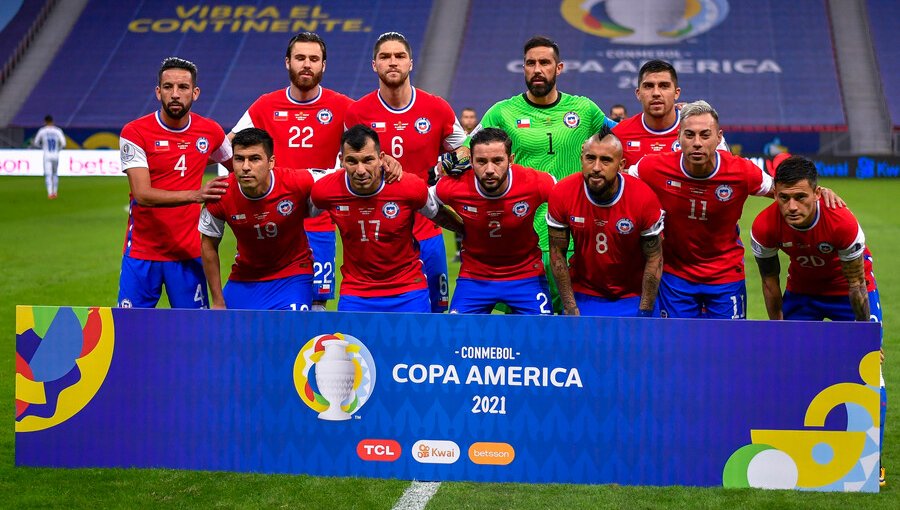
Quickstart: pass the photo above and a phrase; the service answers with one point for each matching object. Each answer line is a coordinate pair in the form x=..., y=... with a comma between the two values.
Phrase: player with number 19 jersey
x=703, y=243
x=176, y=159
x=546, y=137
x=381, y=257
x=609, y=260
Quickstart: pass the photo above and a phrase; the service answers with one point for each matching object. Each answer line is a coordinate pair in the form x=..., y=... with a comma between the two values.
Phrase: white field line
x=417, y=495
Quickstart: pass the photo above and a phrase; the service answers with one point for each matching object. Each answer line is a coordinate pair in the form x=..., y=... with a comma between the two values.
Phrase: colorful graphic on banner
x=644, y=21
x=485, y=398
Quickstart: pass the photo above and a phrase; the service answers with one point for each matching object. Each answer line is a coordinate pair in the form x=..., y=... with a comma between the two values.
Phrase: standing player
x=830, y=275
x=51, y=139
x=616, y=222
x=547, y=127
x=703, y=192
x=468, y=120
x=417, y=127
x=382, y=270
x=655, y=129
x=265, y=206
x=617, y=113
x=306, y=121
x=164, y=154
x=501, y=260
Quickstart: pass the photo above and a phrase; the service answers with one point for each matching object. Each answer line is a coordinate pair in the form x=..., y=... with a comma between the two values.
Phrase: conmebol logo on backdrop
x=644, y=21
x=342, y=378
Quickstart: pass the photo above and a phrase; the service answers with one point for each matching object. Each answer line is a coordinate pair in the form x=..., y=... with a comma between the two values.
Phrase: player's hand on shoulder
x=455, y=163
x=392, y=169
x=214, y=189
x=832, y=200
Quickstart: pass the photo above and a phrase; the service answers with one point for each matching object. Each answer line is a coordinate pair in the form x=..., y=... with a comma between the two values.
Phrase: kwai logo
x=343, y=377
x=644, y=21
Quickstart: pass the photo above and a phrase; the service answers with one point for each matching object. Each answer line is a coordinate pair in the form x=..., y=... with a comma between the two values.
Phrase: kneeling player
x=616, y=221
x=265, y=207
x=830, y=274
x=382, y=270
x=501, y=259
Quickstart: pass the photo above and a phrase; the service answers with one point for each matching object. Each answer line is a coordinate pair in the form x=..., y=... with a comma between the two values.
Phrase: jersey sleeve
x=131, y=149
x=417, y=192
x=245, y=122
x=855, y=248
x=545, y=185
x=598, y=118
x=62, y=140
x=760, y=242
x=210, y=225
x=223, y=152
x=432, y=205
x=759, y=181
x=454, y=135
x=654, y=215
x=557, y=212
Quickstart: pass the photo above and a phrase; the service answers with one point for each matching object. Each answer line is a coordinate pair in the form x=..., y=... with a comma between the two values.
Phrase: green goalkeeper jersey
x=547, y=137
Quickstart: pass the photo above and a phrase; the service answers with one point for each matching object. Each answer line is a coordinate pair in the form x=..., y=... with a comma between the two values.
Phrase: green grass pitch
x=67, y=252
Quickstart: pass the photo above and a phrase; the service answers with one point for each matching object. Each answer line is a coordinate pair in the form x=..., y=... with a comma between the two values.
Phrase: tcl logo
x=384, y=450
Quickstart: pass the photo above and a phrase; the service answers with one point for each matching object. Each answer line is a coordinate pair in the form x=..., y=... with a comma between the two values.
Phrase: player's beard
x=542, y=89
x=306, y=82
x=185, y=108
x=393, y=80
x=490, y=190
x=603, y=193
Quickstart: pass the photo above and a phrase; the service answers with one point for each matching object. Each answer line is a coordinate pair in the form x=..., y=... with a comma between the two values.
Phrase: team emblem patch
x=724, y=193
x=520, y=209
x=324, y=116
x=423, y=125
x=202, y=145
x=128, y=152
x=676, y=146
x=285, y=207
x=825, y=248
x=571, y=120
x=624, y=226
x=390, y=210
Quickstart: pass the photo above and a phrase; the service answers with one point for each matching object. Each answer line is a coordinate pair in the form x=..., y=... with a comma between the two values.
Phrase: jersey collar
x=710, y=176
x=559, y=96
x=287, y=93
x=509, y=187
x=673, y=127
x=811, y=225
x=264, y=195
x=171, y=129
x=611, y=202
x=355, y=194
x=412, y=101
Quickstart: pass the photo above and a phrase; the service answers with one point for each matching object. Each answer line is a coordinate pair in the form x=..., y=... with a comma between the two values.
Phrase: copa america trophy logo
x=644, y=22
x=343, y=373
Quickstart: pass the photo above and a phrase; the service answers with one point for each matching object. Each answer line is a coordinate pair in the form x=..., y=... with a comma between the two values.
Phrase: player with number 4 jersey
x=306, y=121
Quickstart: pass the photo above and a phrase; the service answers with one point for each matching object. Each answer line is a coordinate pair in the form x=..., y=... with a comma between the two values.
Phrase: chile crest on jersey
x=390, y=210
x=285, y=207
x=571, y=120
x=423, y=125
x=324, y=116
x=625, y=226
x=520, y=209
x=724, y=193
x=202, y=145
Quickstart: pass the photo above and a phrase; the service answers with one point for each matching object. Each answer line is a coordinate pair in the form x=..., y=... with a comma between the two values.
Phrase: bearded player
x=164, y=155
x=415, y=127
x=497, y=201
x=547, y=126
x=616, y=222
x=306, y=121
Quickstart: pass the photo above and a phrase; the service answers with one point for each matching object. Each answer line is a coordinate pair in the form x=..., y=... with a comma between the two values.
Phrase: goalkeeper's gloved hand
x=434, y=174
x=453, y=165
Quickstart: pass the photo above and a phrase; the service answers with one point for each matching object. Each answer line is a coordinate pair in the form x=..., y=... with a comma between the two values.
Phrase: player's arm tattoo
x=770, y=272
x=448, y=220
x=652, y=248
x=855, y=273
x=559, y=247
x=209, y=255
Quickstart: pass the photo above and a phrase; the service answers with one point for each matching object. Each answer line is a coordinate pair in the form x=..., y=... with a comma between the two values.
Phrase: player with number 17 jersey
x=703, y=243
x=176, y=159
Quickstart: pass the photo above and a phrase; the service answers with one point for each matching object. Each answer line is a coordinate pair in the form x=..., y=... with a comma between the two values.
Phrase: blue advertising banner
x=451, y=397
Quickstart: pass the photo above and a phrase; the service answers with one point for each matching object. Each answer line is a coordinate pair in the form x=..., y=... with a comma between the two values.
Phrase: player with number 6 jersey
x=164, y=154
x=414, y=127
x=501, y=260
x=306, y=121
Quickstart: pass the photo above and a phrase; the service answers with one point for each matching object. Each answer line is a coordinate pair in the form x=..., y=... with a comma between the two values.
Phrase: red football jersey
x=500, y=241
x=271, y=242
x=638, y=139
x=816, y=252
x=415, y=135
x=381, y=257
x=176, y=159
x=608, y=260
x=307, y=134
x=703, y=242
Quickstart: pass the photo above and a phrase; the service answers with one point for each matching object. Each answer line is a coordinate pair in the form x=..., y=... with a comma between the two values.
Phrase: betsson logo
x=378, y=450
x=498, y=454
